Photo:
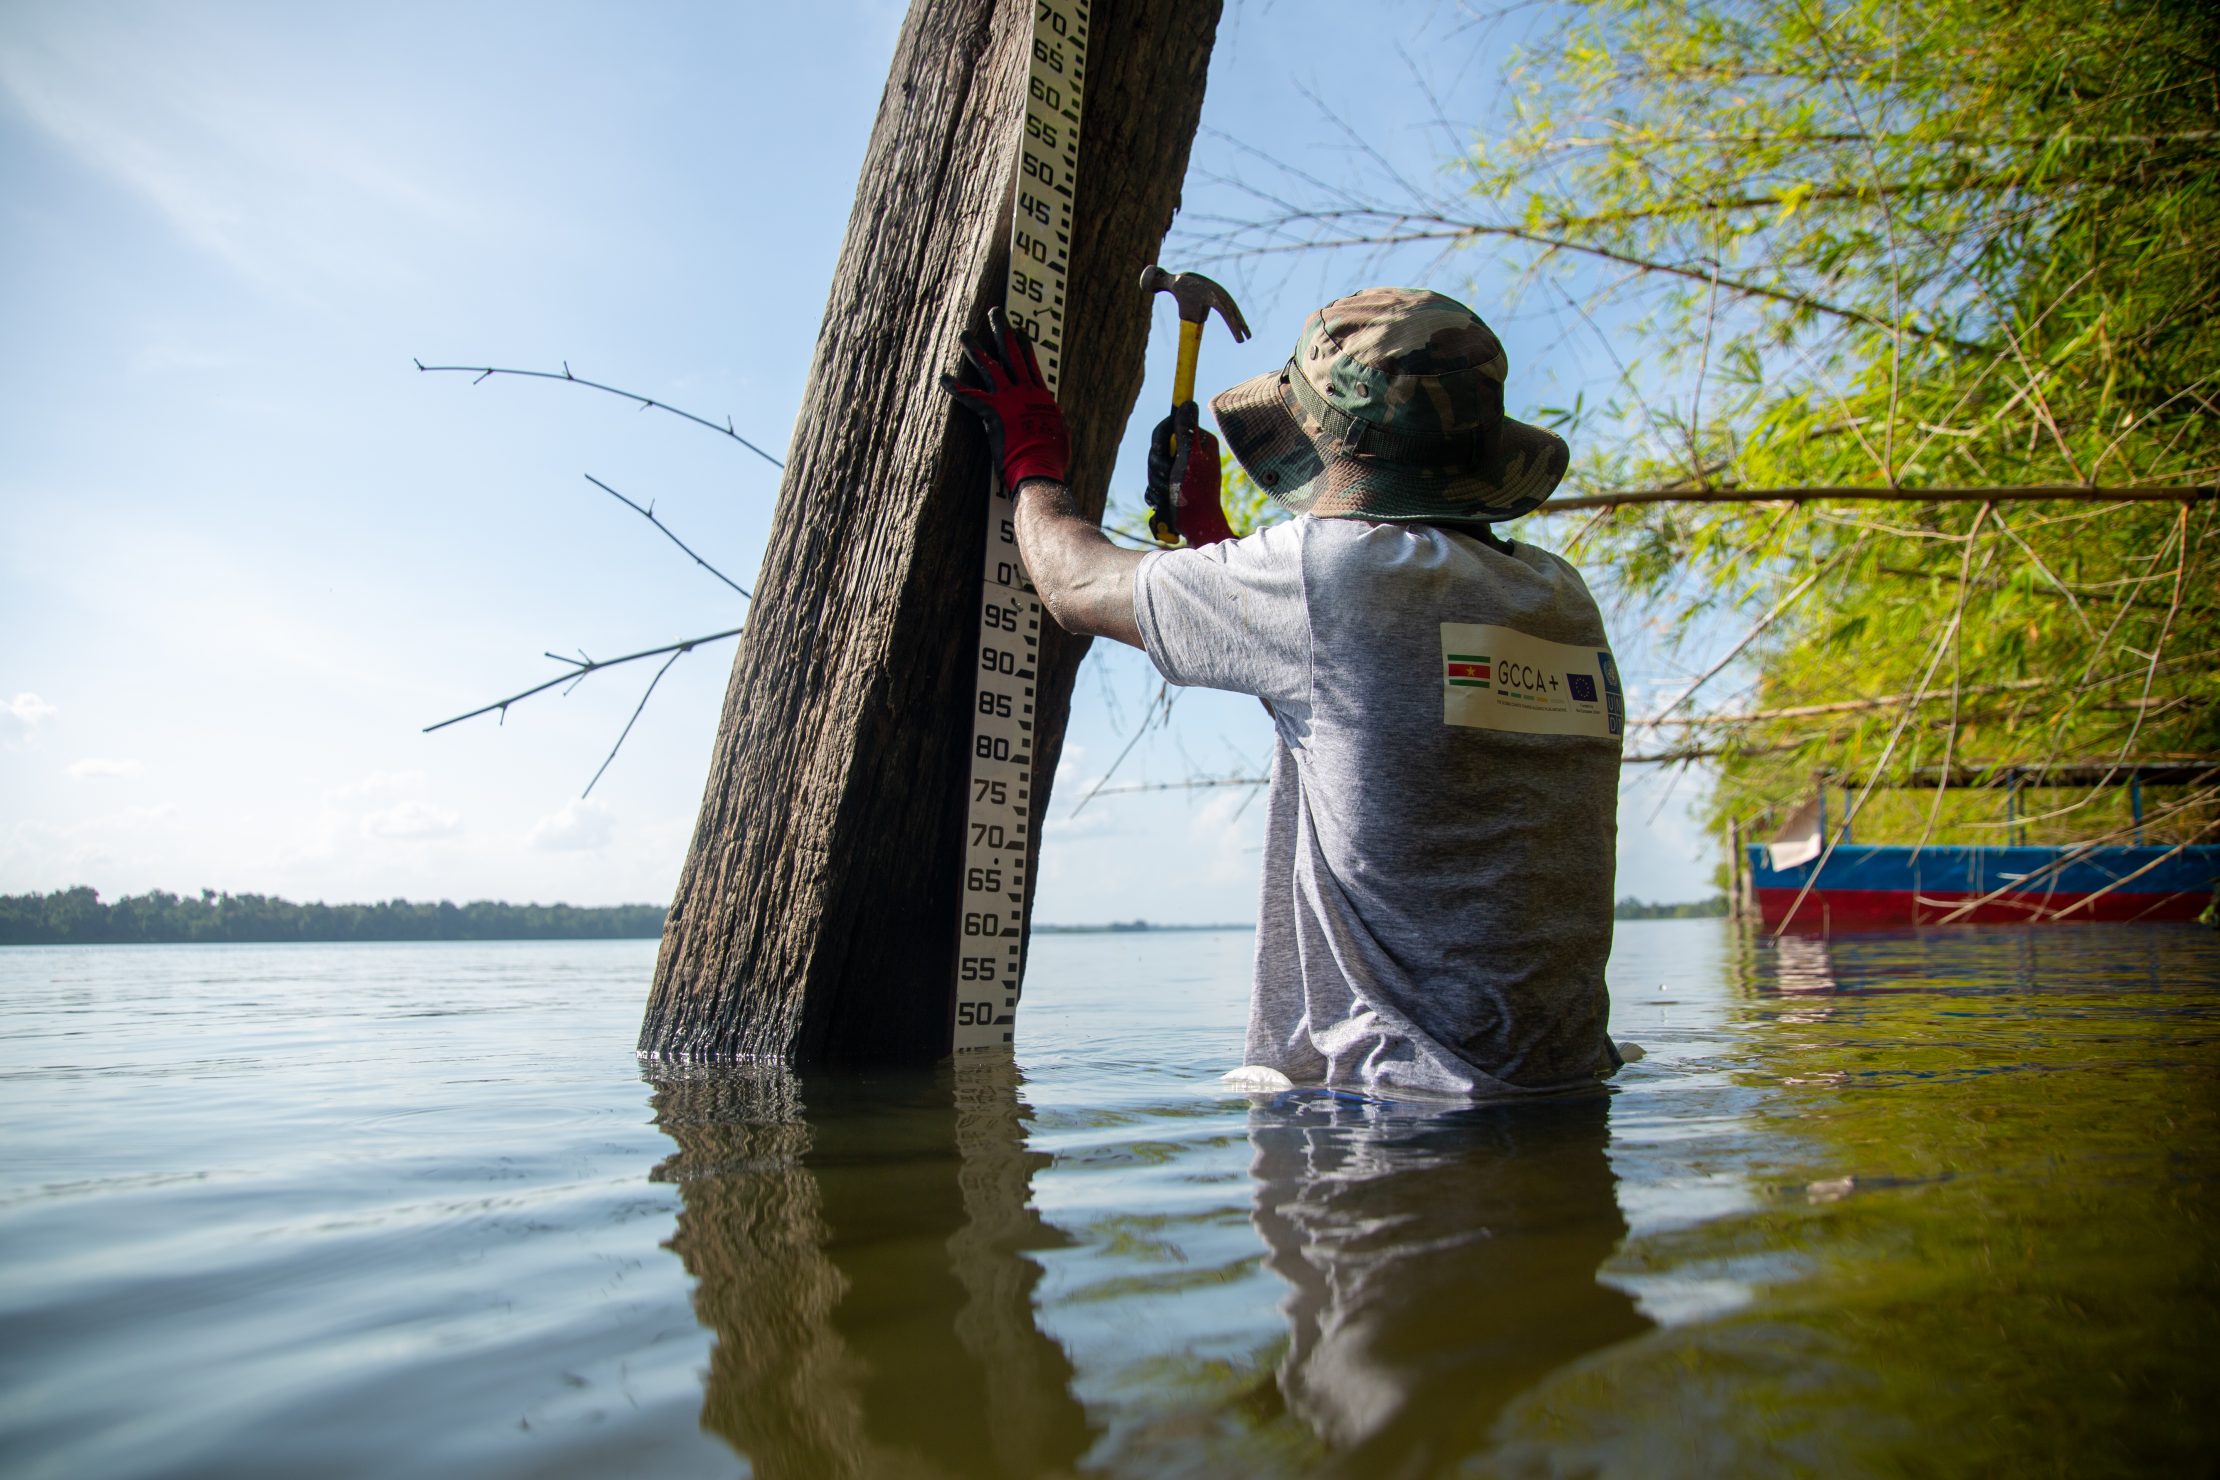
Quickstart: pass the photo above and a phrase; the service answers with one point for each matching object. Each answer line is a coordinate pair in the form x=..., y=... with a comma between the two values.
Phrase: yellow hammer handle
x=1183, y=379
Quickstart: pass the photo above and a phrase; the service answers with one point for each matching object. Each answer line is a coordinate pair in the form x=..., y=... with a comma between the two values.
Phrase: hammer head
x=1196, y=296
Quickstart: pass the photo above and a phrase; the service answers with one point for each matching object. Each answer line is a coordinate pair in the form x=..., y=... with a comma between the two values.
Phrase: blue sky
x=247, y=552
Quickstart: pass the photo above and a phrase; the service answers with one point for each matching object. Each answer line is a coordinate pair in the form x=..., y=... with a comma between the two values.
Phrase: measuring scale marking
x=999, y=811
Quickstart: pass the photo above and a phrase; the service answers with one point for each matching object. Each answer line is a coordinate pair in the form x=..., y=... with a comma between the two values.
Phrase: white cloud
x=1069, y=790
x=582, y=826
x=93, y=766
x=103, y=850
x=412, y=822
x=1222, y=833
x=376, y=784
x=24, y=713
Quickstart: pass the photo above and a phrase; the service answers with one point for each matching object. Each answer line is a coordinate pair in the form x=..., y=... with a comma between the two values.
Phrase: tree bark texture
x=815, y=920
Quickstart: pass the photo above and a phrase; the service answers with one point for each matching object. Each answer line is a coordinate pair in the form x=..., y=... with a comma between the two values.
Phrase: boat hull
x=1872, y=886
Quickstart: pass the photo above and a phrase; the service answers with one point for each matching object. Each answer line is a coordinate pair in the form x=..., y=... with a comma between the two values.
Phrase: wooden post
x=1734, y=868
x=816, y=917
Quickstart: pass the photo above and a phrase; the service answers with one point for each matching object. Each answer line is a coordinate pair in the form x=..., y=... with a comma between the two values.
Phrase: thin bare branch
x=723, y=428
x=1685, y=754
x=1202, y=783
x=2151, y=770
x=1957, y=659
x=2030, y=493
x=648, y=513
x=1977, y=141
x=628, y=724
x=1166, y=697
x=1890, y=701
x=580, y=670
x=1773, y=615
x=2088, y=627
x=2166, y=628
x=1396, y=228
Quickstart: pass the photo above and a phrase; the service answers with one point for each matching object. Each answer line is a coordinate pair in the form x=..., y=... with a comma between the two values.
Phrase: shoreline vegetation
x=1910, y=452
x=79, y=917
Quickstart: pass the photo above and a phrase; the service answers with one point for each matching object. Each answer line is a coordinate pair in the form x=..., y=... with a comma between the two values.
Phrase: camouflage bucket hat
x=1391, y=409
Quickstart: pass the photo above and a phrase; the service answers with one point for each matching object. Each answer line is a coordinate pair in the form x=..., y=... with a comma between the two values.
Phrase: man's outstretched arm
x=1085, y=581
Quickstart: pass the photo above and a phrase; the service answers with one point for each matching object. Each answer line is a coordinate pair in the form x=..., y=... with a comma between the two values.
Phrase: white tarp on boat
x=1799, y=840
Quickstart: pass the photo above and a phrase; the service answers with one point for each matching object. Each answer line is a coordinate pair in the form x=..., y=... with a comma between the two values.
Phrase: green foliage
x=78, y=917
x=1966, y=244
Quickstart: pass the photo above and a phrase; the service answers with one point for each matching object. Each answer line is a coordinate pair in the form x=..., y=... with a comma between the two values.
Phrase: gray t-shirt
x=1438, y=858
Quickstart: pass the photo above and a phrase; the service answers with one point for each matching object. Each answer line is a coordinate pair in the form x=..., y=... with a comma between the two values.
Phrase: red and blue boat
x=1807, y=880
x=1867, y=886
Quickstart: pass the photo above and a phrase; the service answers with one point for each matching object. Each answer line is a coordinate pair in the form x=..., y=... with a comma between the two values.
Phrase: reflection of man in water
x=1438, y=1265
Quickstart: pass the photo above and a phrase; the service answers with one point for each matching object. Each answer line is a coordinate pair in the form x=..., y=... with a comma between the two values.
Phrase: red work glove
x=1194, y=510
x=1002, y=384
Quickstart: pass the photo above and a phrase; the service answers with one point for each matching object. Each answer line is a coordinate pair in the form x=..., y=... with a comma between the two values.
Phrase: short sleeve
x=1230, y=615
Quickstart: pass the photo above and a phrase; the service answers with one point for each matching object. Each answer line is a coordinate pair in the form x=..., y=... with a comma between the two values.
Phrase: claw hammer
x=1196, y=296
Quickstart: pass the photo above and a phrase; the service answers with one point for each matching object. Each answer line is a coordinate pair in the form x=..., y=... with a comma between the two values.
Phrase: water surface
x=1936, y=1203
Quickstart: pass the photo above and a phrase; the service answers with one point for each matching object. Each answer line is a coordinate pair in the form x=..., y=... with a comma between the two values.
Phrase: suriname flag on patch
x=1466, y=670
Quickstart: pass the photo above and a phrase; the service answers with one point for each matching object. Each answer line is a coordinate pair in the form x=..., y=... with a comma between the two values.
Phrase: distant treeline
x=76, y=917
x=1631, y=908
x=79, y=917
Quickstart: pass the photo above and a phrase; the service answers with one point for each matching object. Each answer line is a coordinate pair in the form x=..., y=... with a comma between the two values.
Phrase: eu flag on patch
x=1583, y=687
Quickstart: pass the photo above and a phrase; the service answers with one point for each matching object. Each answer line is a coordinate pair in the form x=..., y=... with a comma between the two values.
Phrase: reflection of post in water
x=1759, y=964
x=861, y=1251
x=1439, y=1264
x=1802, y=963
x=1789, y=966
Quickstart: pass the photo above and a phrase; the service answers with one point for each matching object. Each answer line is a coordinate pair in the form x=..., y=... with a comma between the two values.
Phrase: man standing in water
x=1438, y=858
